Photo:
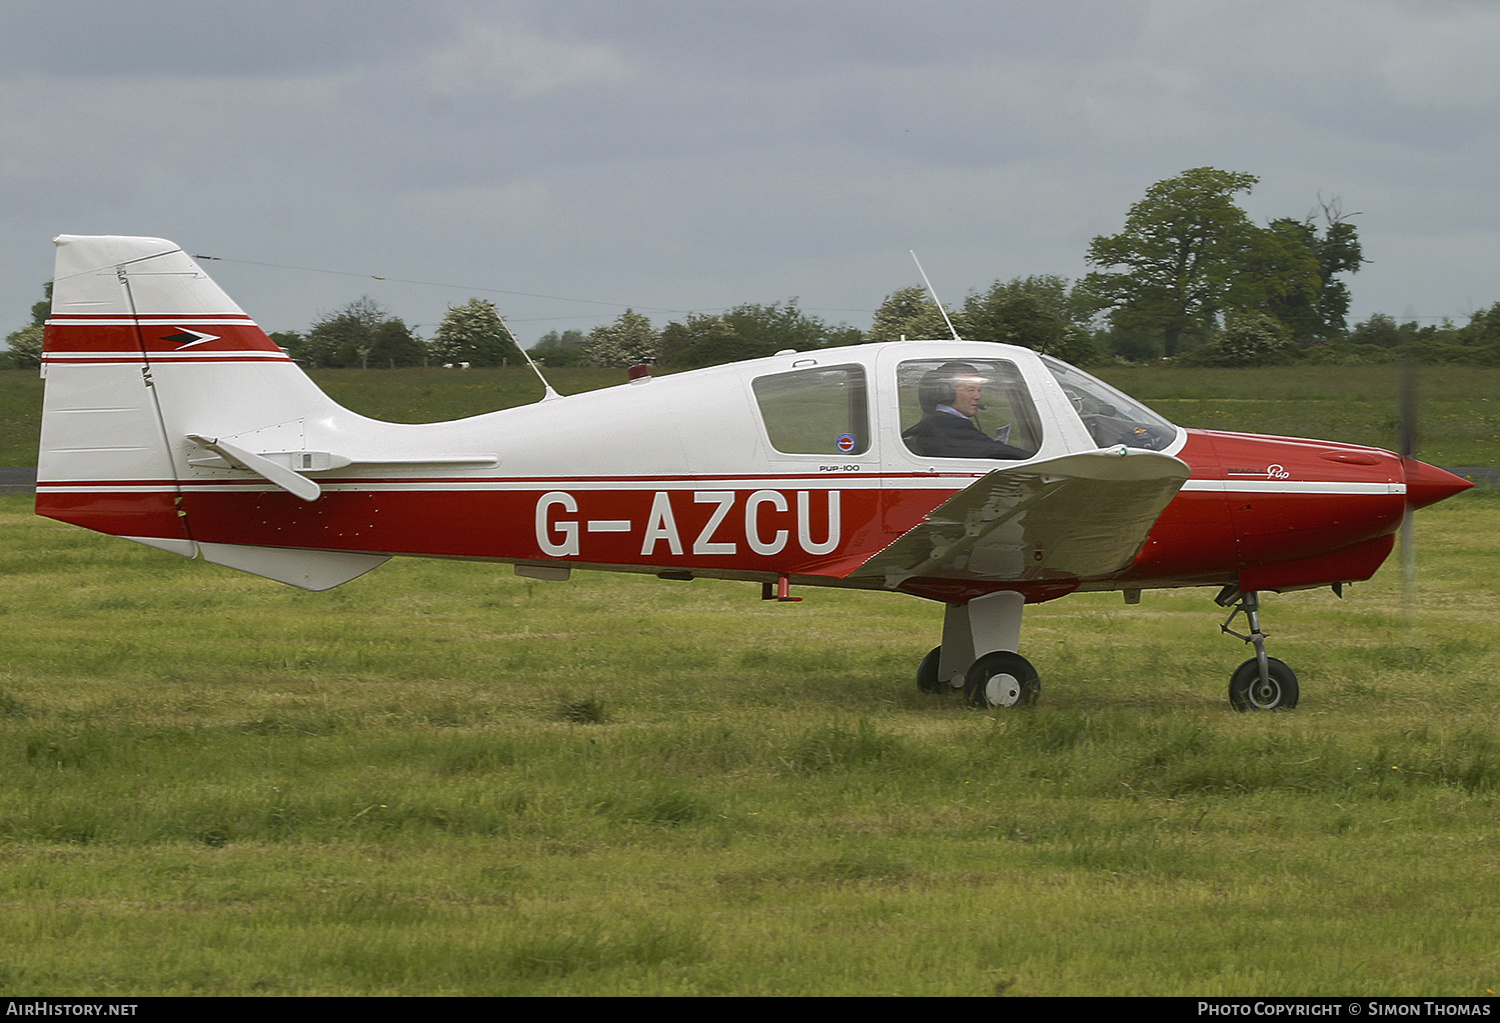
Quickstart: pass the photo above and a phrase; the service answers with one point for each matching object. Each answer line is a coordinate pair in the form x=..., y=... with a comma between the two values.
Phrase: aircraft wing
x=1080, y=516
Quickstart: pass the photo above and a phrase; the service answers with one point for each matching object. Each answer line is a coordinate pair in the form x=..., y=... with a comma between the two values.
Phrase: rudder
x=141, y=351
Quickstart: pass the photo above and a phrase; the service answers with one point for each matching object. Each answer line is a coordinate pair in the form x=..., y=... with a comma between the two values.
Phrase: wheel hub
x=1003, y=690
x=1265, y=694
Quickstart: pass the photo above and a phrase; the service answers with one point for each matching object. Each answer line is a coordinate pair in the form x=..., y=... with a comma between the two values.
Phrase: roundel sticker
x=846, y=443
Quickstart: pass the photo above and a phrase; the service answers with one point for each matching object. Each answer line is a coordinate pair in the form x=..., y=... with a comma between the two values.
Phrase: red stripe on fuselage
x=119, y=513
x=1204, y=537
x=668, y=528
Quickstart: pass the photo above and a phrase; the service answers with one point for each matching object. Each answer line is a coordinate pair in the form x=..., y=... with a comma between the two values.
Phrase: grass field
x=1460, y=405
x=444, y=779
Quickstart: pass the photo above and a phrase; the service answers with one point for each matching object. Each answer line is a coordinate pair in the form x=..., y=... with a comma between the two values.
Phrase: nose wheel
x=1261, y=683
x=1277, y=691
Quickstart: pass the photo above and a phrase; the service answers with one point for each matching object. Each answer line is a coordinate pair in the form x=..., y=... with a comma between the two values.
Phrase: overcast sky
x=677, y=156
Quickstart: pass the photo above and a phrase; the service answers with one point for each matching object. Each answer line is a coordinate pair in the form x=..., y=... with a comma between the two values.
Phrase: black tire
x=927, y=672
x=1001, y=679
x=1247, y=693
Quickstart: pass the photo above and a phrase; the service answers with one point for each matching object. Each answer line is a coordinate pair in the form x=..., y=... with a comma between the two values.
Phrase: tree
x=473, y=333
x=1248, y=339
x=1475, y=343
x=748, y=331
x=1039, y=312
x=627, y=341
x=342, y=338
x=43, y=309
x=396, y=345
x=1338, y=251
x=289, y=341
x=768, y=329
x=25, y=347
x=1382, y=331
x=554, y=349
x=361, y=334
x=1322, y=309
x=1278, y=275
x=1381, y=340
x=910, y=313
x=1180, y=251
x=1188, y=255
x=701, y=340
x=26, y=344
x=1483, y=328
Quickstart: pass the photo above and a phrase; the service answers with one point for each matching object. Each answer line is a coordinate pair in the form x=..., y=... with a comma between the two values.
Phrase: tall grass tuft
x=661, y=805
x=592, y=948
x=11, y=708
x=837, y=746
x=588, y=710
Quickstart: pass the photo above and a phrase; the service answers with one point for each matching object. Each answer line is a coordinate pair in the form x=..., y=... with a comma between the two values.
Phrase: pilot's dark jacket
x=944, y=435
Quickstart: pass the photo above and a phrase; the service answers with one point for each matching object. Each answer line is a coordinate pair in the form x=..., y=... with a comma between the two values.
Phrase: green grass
x=20, y=416
x=445, y=779
x=1357, y=404
x=437, y=395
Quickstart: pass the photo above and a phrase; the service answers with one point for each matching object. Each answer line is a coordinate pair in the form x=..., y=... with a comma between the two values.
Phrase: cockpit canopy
x=976, y=406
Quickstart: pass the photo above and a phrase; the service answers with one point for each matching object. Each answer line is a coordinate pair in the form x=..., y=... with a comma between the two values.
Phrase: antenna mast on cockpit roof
x=933, y=293
x=547, y=392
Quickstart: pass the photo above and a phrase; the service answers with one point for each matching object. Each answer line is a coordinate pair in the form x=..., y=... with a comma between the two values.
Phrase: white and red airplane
x=173, y=420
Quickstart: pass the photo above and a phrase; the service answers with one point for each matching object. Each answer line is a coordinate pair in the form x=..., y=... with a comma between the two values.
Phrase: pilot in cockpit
x=950, y=397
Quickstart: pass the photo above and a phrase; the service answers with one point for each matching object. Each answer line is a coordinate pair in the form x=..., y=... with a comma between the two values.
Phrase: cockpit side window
x=822, y=411
x=970, y=408
x=1110, y=416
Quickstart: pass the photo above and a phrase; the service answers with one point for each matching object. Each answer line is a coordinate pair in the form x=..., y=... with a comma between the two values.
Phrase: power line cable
x=439, y=284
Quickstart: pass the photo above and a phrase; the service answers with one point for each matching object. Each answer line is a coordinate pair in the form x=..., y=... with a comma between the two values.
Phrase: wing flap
x=1077, y=516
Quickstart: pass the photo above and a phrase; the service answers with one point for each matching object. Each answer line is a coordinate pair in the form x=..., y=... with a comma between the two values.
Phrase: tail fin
x=147, y=363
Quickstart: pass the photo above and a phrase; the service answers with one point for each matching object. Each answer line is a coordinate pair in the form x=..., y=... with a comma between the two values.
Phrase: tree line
x=1190, y=278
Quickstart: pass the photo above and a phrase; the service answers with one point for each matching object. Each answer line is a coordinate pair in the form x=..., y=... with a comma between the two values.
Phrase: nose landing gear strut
x=1261, y=683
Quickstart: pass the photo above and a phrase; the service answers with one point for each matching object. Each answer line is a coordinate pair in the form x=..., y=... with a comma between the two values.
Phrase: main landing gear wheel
x=1248, y=692
x=927, y=672
x=1001, y=679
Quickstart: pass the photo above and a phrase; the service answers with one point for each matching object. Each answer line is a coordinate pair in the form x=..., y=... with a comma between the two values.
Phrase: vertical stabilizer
x=143, y=351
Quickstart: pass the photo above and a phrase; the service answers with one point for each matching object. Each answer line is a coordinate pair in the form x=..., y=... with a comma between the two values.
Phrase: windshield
x=1112, y=417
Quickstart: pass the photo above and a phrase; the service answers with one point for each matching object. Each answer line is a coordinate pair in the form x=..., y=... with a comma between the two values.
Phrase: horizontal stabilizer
x=486, y=461
x=291, y=482
x=1078, y=516
x=324, y=461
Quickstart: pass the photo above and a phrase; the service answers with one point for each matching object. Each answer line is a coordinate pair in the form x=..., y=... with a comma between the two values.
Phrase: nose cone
x=1427, y=484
